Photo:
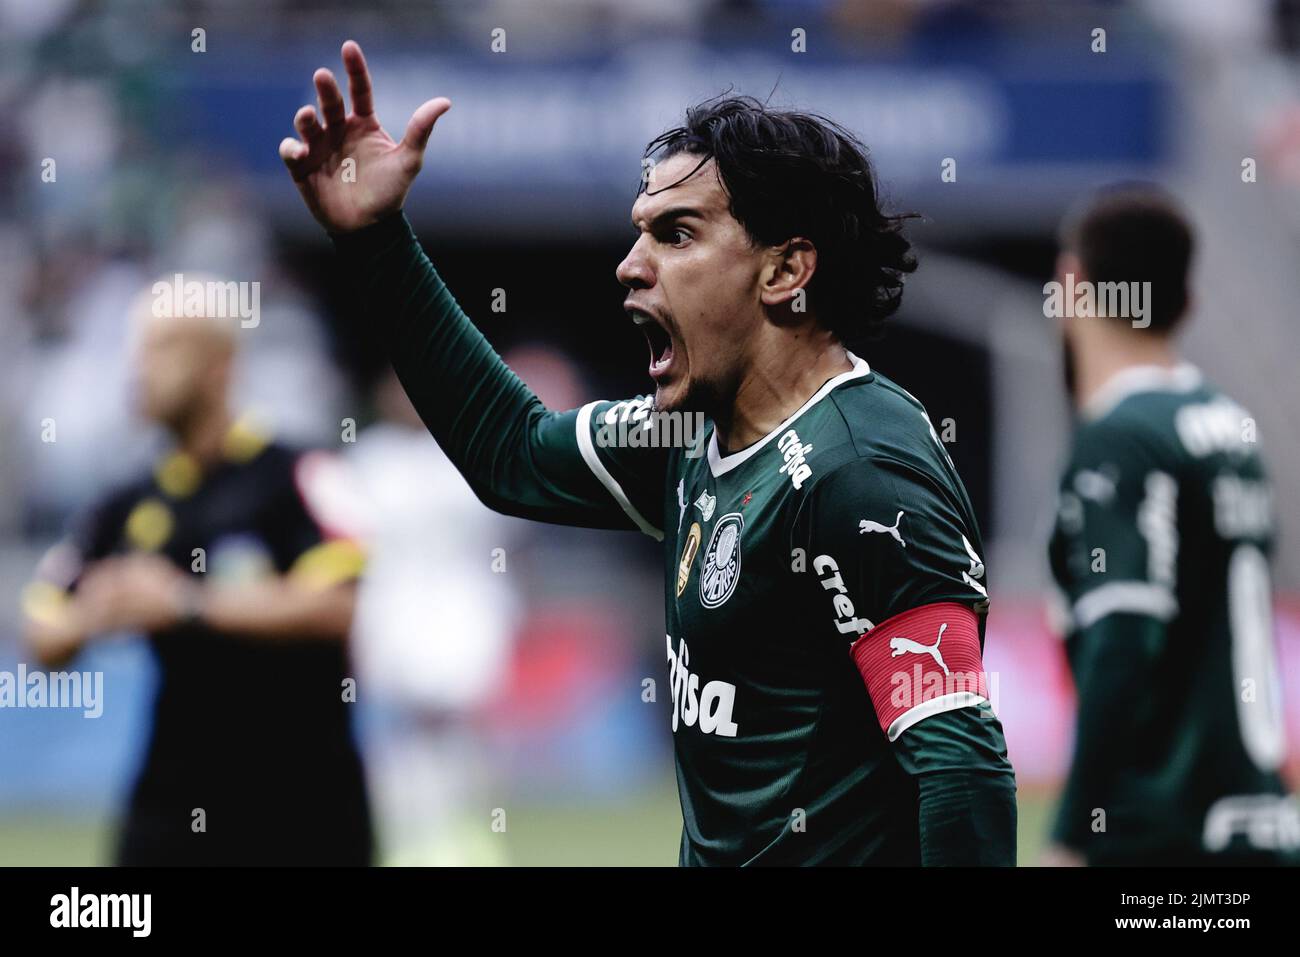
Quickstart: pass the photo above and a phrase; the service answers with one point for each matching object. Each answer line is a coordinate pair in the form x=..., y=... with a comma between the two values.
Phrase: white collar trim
x=722, y=464
x=1144, y=378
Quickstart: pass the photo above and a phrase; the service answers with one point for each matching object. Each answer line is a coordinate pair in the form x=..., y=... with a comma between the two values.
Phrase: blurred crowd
x=98, y=198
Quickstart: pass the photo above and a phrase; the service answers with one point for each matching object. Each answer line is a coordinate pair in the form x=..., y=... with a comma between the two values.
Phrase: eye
x=678, y=236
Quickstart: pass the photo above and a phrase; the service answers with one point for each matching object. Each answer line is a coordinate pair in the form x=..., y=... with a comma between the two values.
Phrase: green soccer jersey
x=824, y=588
x=1161, y=547
x=776, y=559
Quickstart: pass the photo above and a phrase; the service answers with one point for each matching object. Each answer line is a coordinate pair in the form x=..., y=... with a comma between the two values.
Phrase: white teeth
x=640, y=318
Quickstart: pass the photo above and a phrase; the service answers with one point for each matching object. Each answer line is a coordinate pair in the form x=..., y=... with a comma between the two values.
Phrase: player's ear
x=790, y=270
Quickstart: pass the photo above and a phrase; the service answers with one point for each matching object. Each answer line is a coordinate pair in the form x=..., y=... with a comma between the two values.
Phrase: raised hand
x=344, y=197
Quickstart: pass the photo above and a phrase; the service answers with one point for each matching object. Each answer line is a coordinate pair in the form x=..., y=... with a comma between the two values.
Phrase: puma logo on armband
x=903, y=646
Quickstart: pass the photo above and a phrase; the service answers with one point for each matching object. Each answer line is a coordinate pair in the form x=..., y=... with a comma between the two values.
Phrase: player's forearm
x=1110, y=674
x=968, y=819
x=966, y=789
x=277, y=610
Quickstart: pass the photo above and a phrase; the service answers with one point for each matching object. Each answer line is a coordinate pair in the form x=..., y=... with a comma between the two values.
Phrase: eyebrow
x=668, y=215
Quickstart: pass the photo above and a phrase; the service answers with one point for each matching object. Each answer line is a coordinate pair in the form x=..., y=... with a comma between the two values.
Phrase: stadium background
x=166, y=160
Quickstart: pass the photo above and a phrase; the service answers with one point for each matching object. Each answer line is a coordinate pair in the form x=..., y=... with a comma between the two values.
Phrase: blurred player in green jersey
x=1161, y=547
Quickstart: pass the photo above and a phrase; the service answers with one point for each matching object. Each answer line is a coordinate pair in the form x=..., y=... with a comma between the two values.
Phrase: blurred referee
x=217, y=555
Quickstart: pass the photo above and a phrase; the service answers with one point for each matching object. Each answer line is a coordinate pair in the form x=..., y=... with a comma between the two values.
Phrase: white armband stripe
x=927, y=709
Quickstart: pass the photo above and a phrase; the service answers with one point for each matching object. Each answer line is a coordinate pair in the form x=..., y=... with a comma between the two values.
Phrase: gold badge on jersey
x=688, y=556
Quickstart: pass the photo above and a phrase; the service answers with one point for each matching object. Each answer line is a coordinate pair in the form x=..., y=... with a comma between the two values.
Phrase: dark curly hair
x=800, y=174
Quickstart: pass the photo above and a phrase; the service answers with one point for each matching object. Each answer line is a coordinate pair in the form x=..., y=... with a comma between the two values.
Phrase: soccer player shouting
x=825, y=597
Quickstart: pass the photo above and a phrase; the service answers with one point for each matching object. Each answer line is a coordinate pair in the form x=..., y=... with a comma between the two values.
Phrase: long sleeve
x=924, y=594
x=518, y=457
x=1116, y=561
x=967, y=789
x=1112, y=666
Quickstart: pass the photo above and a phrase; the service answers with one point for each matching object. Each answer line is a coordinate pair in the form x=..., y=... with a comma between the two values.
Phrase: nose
x=635, y=270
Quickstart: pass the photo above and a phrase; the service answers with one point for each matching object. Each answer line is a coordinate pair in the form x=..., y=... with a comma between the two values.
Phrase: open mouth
x=659, y=339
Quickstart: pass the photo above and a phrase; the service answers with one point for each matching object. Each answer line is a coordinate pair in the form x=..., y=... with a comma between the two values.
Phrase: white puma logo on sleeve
x=865, y=526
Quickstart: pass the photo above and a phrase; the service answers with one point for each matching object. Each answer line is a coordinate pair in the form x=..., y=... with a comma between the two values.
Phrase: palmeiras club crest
x=721, y=568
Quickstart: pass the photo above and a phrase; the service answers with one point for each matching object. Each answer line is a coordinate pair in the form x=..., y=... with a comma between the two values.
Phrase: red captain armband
x=922, y=662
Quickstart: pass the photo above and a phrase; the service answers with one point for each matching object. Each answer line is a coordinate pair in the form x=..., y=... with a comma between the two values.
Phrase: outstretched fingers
x=294, y=154
x=354, y=61
x=421, y=124
x=304, y=155
x=331, y=104
x=309, y=128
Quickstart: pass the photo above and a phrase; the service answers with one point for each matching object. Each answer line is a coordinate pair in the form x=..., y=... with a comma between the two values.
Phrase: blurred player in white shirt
x=431, y=641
